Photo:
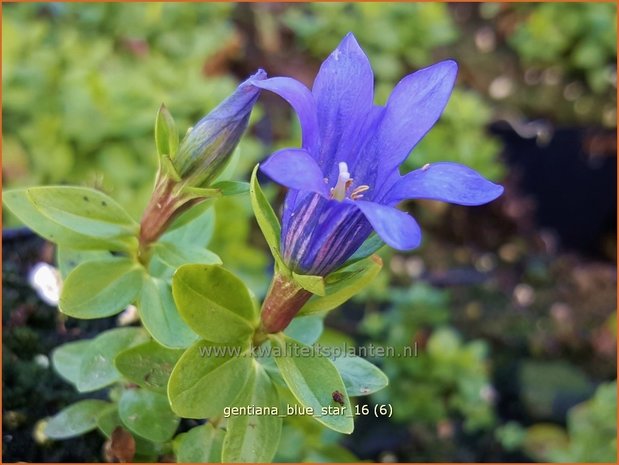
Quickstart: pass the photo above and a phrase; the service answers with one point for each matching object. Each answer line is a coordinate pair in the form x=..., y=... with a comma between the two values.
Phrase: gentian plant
x=207, y=349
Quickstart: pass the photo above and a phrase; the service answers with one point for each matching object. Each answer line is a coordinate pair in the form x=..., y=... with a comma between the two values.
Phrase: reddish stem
x=164, y=206
x=283, y=301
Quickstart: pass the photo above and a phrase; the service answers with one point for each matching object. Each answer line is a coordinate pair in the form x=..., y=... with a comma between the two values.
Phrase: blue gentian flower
x=344, y=181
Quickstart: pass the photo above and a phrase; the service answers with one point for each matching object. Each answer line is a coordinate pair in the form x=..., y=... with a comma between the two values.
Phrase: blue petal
x=344, y=92
x=449, y=182
x=412, y=109
x=398, y=229
x=295, y=169
x=301, y=99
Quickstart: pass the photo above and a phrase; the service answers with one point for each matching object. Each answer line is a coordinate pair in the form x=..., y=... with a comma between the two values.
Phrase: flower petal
x=344, y=93
x=295, y=169
x=413, y=107
x=302, y=100
x=449, y=182
x=398, y=229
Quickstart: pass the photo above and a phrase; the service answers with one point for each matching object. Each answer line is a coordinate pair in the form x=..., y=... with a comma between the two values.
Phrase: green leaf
x=67, y=359
x=148, y=365
x=305, y=329
x=343, y=284
x=109, y=420
x=360, y=376
x=214, y=303
x=192, y=192
x=75, y=420
x=196, y=225
x=148, y=414
x=313, y=379
x=201, y=444
x=166, y=166
x=68, y=258
x=97, y=368
x=208, y=378
x=57, y=226
x=254, y=438
x=231, y=187
x=314, y=284
x=160, y=317
x=100, y=288
x=266, y=218
x=166, y=133
x=175, y=256
x=86, y=211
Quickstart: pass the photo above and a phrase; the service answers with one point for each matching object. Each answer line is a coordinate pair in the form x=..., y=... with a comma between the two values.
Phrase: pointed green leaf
x=97, y=368
x=148, y=365
x=360, y=376
x=175, y=256
x=201, y=444
x=195, y=226
x=343, y=284
x=313, y=379
x=148, y=414
x=192, y=192
x=305, y=329
x=166, y=167
x=67, y=359
x=314, y=284
x=75, y=420
x=214, y=303
x=40, y=208
x=266, y=218
x=160, y=316
x=231, y=187
x=166, y=133
x=254, y=438
x=100, y=288
x=208, y=378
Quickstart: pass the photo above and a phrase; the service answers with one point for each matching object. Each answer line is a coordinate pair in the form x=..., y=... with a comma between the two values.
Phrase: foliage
x=443, y=378
x=580, y=36
x=591, y=433
x=78, y=86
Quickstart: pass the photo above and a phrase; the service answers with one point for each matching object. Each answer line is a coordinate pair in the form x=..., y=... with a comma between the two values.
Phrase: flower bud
x=205, y=151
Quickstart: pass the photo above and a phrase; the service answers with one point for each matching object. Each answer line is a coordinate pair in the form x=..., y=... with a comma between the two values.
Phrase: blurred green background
x=512, y=306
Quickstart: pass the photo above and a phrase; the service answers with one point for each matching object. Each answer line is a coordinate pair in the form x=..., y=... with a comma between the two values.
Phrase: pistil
x=343, y=183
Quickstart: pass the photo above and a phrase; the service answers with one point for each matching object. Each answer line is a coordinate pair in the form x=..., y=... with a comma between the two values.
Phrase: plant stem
x=283, y=301
x=165, y=204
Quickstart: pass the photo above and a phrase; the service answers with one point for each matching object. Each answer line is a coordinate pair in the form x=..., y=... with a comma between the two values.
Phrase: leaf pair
x=89, y=364
x=213, y=371
x=112, y=283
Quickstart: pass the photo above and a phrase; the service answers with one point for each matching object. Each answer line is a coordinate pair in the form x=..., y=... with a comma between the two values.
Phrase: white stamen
x=343, y=182
x=425, y=167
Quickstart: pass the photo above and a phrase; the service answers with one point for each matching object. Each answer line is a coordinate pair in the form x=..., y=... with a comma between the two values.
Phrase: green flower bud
x=205, y=151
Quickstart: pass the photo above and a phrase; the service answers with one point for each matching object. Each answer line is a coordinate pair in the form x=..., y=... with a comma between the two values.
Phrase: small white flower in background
x=46, y=281
x=41, y=360
x=130, y=315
